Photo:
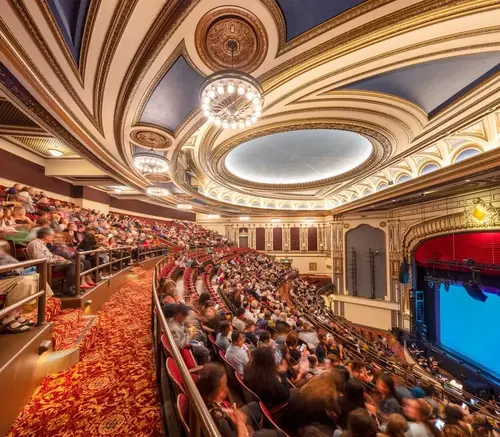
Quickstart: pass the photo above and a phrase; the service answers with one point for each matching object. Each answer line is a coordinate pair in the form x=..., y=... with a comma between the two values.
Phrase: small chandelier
x=156, y=191
x=231, y=98
x=150, y=163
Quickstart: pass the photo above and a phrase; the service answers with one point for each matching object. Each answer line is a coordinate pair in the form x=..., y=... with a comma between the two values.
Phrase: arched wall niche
x=362, y=280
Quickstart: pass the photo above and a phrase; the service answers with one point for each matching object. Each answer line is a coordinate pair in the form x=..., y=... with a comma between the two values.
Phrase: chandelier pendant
x=156, y=191
x=231, y=99
x=150, y=163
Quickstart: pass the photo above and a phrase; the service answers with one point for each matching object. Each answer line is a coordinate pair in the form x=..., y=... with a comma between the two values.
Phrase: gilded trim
x=397, y=23
x=78, y=69
x=348, y=15
x=166, y=23
x=114, y=33
x=27, y=19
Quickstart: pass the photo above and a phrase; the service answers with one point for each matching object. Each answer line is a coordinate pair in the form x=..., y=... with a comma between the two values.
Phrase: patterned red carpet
x=112, y=390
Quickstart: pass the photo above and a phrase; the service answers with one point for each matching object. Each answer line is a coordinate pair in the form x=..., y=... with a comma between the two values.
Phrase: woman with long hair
x=264, y=378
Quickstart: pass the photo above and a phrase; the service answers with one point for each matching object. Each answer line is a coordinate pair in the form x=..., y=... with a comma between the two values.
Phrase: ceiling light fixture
x=150, y=162
x=118, y=190
x=55, y=152
x=231, y=98
x=184, y=206
x=155, y=191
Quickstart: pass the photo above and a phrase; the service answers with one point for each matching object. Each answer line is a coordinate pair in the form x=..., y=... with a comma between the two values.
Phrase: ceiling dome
x=297, y=157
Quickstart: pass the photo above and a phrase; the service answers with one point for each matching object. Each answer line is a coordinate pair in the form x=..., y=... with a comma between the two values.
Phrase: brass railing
x=200, y=420
x=41, y=266
x=122, y=250
x=143, y=252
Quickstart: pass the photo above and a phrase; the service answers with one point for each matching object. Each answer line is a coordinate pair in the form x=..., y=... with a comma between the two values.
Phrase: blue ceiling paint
x=175, y=96
x=435, y=84
x=70, y=16
x=303, y=15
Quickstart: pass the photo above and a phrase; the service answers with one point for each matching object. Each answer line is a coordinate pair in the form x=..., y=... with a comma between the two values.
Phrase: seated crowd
x=34, y=226
x=314, y=376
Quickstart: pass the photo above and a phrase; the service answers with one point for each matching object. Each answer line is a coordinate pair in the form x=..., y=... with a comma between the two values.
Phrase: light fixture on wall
x=156, y=191
x=184, y=206
x=150, y=162
x=117, y=190
x=244, y=218
x=213, y=216
x=276, y=220
x=231, y=98
x=55, y=152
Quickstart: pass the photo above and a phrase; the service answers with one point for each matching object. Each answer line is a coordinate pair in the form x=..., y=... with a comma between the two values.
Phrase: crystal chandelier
x=156, y=191
x=150, y=162
x=231, y=98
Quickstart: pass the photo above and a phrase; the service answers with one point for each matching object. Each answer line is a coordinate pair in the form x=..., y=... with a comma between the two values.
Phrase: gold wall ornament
x=482, y=214
x=150, y=140
x=221, y=25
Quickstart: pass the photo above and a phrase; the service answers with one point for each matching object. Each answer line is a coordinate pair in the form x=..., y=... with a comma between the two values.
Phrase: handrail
x=97, y=252
x=41, y=295
x=200, y=417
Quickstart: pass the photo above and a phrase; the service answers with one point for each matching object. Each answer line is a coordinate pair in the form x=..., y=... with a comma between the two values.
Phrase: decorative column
x=251, y=236
x=286, y=237
x=269, y=238
x=337, y=245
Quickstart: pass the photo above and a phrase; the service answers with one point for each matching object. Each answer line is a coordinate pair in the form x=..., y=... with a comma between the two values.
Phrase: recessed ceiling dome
x=296, y=157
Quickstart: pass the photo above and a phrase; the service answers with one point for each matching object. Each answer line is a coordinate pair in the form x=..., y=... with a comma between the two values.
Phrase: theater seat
x=248, y=394
x=270, y=419
x=183, y=410
x=175, y=375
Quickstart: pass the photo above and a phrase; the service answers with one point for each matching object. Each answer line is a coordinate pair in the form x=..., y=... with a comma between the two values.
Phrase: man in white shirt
x=237, y=353
x=239, y=322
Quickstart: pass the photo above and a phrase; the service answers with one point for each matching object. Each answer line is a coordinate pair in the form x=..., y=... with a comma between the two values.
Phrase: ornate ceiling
x=363, y=99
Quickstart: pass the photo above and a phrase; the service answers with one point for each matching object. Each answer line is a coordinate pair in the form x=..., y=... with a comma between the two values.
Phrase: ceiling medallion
x=156, y=191
x=150, y=163
x=157, y=177
x=151, y=140
x=221, y=25
x=231, y=98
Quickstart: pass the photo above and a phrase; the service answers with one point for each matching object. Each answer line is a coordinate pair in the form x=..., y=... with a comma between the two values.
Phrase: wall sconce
x=44, y=347
x=88, y=303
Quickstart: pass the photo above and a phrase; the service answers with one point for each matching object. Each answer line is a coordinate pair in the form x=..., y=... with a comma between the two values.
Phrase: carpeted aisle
x=112, y=391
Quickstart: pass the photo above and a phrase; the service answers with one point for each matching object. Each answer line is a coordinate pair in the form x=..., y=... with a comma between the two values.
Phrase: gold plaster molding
x=348, y=15
x=250, y=60
x=119, y=21
x=78, y=69
x=406, y=19
x=382, y=149
x=27, y=19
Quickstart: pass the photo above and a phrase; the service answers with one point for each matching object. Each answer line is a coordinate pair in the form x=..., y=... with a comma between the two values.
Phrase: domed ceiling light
x=231, y=98
x=150, y=163
x=156, y=191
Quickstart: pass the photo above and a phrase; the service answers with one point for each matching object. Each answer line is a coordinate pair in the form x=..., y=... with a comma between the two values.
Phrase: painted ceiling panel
x=434, y=84
x=303, y=15
x=70, y=16
x=175, y=97
x=298, y=156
